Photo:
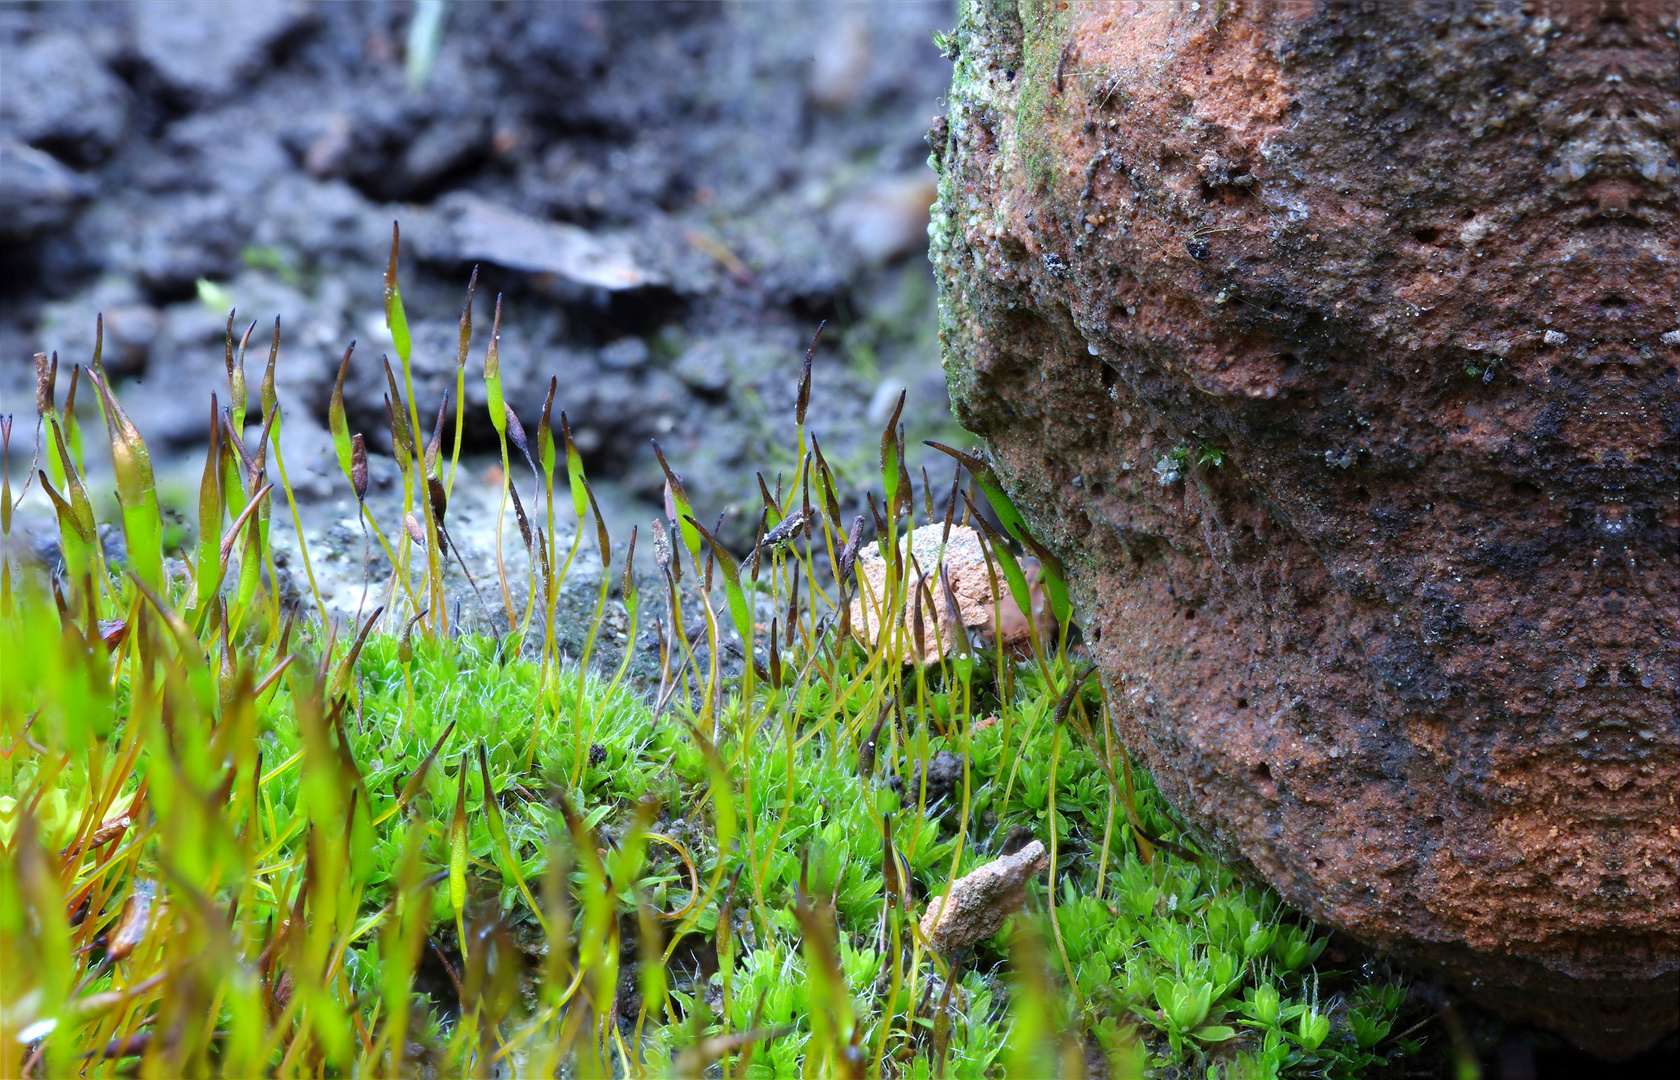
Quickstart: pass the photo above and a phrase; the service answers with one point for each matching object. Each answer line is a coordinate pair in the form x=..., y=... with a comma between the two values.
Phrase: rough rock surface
x=980, y=594
x=1334, y=349
x=982, y=899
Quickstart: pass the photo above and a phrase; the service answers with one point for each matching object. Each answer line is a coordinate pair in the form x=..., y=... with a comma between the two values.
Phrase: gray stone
x=625, y=354
x=37, y=193
x=59, y=97
x=131, y=326
x=484, y=231
x=625, y=175
x=204, y=48
x=443, y=146
x=887, y=219
x=705, y=367
x=195, y=236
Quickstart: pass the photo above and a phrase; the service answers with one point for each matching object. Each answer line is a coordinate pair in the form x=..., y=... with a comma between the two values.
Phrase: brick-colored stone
x=1333, y=350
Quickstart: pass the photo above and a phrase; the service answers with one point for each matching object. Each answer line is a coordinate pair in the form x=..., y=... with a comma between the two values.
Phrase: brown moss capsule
x=135, y=920
x=516, y=431
x=112, y=632
x=519, y=515
x=661, y=546
x=405, y=656
x=439, y=498
x=435, y=447
x=266, y=393
x=46, y=374
x=402, y=435
x=849, y=554
x=803, y=400
x=108, y=830
x=359, y=467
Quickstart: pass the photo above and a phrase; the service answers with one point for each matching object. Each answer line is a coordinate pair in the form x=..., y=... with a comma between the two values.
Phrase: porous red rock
x=1334, y=349
x=949, y=569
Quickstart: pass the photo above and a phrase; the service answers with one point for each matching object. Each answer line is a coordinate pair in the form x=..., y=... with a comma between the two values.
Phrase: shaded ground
x=669, y=196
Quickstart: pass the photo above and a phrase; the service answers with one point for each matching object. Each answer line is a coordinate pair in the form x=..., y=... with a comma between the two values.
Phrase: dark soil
x=669, y=197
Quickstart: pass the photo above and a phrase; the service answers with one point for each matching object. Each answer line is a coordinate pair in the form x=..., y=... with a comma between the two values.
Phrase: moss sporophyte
x=241, y=842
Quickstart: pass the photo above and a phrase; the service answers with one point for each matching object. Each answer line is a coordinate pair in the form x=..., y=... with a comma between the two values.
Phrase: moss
x=596, y=874
x=1039, y=104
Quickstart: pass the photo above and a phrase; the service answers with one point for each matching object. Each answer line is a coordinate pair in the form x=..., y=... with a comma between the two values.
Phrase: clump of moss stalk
x=238, y=842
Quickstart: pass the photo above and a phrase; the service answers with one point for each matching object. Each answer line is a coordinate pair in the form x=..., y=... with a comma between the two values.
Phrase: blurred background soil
x=669, y=196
